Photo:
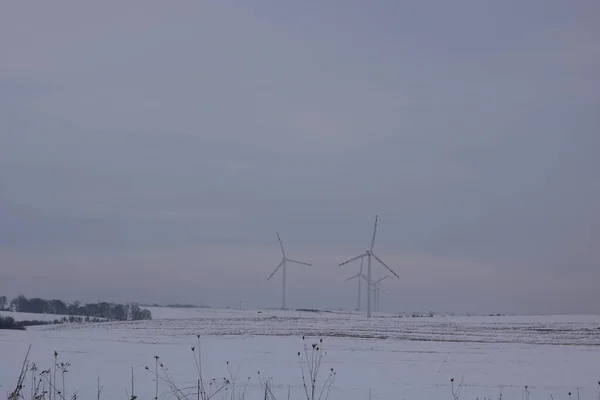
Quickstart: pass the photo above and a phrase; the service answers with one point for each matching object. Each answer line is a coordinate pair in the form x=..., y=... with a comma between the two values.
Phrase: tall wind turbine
x=283, y=263
x=358, y=276
x=369, y=253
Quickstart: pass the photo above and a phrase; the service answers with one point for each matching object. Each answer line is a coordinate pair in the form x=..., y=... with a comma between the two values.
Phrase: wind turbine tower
x=284, y=261
x=369, y=253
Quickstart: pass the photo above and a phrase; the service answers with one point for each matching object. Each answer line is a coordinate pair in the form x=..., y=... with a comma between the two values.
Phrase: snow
x=191, y=313
x=394, y=357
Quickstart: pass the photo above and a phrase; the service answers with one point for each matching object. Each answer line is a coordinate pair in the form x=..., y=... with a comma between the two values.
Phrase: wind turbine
x=369, y=253
x=283, y=263
x=378, y=291
x=358, y=276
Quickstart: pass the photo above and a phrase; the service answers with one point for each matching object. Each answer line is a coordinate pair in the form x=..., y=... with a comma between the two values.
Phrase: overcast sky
x=150, y=150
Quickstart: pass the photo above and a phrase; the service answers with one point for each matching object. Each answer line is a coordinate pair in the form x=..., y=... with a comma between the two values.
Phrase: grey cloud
x=167, y=147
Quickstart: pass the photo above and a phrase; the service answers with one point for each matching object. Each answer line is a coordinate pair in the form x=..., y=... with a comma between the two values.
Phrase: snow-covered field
x=394, y=357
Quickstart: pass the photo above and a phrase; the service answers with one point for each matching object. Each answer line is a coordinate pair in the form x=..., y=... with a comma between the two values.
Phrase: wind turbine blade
x=382, y=263
x=273, y=273
x=299, y=262
x=361, y=265
x=374, y=233
x=352, y=277
x=280, y=244
x=365, y=278
x=380, y=279
x=352, y=259
x=382, y=291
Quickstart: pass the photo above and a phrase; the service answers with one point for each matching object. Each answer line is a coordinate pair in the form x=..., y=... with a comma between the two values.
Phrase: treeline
x=103, y=310
x=9, y=322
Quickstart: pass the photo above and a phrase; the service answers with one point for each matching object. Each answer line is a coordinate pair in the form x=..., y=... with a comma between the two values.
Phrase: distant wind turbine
x=378, y=291
x=358, y=277
x=283, y=263
x=368, y=254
